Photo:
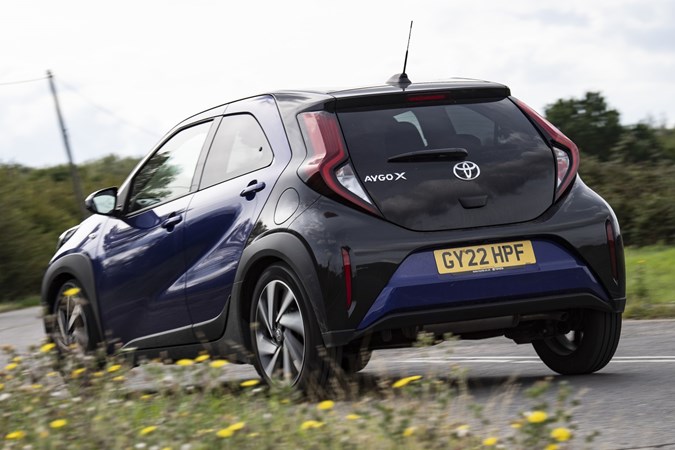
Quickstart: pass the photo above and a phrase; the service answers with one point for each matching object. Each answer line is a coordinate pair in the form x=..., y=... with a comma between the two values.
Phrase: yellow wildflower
x=119, y=378
x=201, y=358
x=114, y=368
x=184, y=362
x=310, y=424
x=561, y=434
x=249, y=383
x=36, y=386
x=59, y=423
x=404, y=381
x=537, y=417
x=72, y=291
x=225, y=432
x=218, y=363
x=551, y=447
x=98, y=374
x=147, y=430
x=17, y=359
x=46, y=348
x=325, y=405
x=146, y=397
x=352, y=417
x=77, y=372
x=52, y=374
x=237, y=426
x=517, y=425
x=11, y=366
x=2, y=386
x=490, y=442
x=15, y=435
x=252, y=435
x=409, y=431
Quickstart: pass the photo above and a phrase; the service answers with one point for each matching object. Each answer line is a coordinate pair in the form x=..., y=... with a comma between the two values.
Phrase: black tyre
x=73, y=328
x=587, y=348
x=285, y=338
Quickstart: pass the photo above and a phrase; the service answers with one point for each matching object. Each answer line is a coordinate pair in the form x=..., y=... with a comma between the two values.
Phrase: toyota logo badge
x=466, y=170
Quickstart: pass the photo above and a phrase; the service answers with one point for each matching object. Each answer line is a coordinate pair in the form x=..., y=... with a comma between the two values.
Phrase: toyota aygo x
x=299, y=231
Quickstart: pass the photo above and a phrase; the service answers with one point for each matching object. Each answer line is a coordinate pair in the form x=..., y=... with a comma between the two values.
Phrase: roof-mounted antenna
x=401, y=79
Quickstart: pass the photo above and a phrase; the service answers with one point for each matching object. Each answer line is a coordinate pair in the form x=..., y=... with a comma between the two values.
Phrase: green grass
x=188, y=406
x=650, y=282
x=26, y=302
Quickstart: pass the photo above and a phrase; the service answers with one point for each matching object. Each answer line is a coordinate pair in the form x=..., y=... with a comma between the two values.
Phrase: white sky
x=155, y=62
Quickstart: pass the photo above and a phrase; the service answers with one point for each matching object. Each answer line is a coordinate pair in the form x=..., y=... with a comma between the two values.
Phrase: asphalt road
x=631, y=401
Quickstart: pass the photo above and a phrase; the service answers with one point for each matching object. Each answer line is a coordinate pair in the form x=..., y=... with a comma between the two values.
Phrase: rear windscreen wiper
x=437, y=154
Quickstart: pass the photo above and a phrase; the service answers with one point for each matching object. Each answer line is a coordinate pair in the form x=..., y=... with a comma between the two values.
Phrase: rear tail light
x=611, y=243
x=566, y=151
x=326, y=168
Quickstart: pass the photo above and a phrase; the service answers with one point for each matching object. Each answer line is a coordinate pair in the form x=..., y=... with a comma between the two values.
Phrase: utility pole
x=77, y=185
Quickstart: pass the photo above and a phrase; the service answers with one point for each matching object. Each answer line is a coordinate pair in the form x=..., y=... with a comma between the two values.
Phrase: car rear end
x=454, y=208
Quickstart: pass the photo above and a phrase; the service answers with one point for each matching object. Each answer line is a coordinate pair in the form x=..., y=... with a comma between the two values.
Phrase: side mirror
x=102, y=202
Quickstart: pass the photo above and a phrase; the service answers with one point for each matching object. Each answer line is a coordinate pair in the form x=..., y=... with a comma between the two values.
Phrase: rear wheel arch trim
x=281, y=247
x=74, y=266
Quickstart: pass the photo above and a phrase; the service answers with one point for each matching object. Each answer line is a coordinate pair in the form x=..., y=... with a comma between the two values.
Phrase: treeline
x=632, y=167
x=36, y=206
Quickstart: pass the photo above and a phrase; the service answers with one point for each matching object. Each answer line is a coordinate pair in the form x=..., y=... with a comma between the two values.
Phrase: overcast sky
x=127, y=71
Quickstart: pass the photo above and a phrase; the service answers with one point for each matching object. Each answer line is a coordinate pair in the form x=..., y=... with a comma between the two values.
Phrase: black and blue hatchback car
x=300, y=230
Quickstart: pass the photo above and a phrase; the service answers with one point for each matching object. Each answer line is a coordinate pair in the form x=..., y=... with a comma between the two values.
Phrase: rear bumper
x=419, y=318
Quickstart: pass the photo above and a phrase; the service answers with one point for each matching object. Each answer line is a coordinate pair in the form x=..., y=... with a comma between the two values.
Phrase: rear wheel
x=587, y=348
x=286, y=342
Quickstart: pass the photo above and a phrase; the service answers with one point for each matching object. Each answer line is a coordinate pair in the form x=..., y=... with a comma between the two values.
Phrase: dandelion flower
x=325, y=405
x=405, y=381
x=237, y=426
x=537, y=417
x=409, y=431
x=72, y=291
x=147, y=430
x=46, y=348
x=77, y=372
x=252, y=435
x=249, y=383
x=517, y=425
x=352, y=417
x=225, y=432
x=11, y=366
x=114, y=368
x=36, y=386
x=15, y=435
x=2, y=386
x=119, y=378
x=490, y=441
x=17, y=359
x=184, y=362
x=52, y=374
x=201, y=358
x=98, y=374
x=561, y=434
x=218, y=363
x=311, y=424
x=462, y=431
x=59, y=423
x=551, y=447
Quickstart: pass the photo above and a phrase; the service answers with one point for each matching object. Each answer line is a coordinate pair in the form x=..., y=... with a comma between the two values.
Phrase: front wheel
x=286, y=342
x=587, y=348
x=73, y=326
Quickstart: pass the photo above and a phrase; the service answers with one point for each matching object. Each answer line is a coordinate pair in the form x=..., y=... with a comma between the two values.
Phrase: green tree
x=588, y=122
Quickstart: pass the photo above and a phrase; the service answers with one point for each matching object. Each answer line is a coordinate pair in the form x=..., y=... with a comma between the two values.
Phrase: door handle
x=252, y=188
x=172, y=221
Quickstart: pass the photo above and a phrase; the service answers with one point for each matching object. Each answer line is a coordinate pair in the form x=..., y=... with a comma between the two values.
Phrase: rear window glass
x=388, y=132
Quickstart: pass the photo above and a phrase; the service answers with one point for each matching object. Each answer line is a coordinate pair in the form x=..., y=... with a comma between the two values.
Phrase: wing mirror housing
x=102, y=202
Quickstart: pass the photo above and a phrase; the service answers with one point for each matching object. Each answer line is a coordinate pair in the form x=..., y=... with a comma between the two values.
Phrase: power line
x=9, y=83
x=107, y=111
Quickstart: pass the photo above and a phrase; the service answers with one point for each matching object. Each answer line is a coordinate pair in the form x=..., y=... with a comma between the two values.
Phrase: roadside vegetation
x=632, y=167
x=186, y=406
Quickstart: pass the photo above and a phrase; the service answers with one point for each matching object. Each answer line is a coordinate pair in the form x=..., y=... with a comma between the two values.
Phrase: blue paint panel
x=417, y=284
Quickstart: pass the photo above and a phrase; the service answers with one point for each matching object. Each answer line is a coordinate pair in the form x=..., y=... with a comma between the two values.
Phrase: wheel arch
x=280, y=247
x=74, y=266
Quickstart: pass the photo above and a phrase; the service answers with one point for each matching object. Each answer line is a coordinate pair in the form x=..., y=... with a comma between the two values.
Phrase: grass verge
x=26, y=302
x=188, y=408
x=650, y=282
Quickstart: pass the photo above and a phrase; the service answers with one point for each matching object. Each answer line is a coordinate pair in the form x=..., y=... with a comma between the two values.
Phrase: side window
x=240, y=147
x=168, y=173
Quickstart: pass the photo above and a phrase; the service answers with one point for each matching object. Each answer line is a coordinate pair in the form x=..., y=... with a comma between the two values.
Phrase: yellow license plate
x=480, y=258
